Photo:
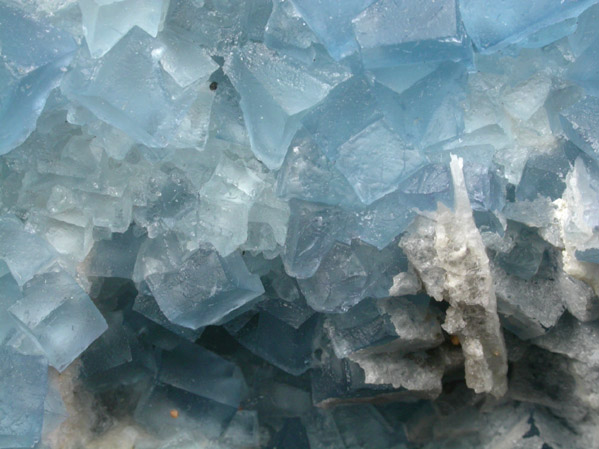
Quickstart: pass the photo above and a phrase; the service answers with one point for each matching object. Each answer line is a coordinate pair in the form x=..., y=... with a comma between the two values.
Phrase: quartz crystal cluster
x=299, y=224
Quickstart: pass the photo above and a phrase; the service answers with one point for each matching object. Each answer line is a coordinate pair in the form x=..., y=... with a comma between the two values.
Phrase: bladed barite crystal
x=454, y=267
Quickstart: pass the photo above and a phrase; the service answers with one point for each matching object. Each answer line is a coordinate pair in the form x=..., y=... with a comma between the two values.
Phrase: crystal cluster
x=299, y=224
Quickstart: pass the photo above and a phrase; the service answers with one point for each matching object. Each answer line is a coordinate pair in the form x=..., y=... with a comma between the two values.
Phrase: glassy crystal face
x=332, y=23
x=494, y=26
x=50, y=301
x=105, y=23
x=35, y=56
x=311, y=224
x=274, y=93
x=394, y=32
x=580, y=126
x=205, y=289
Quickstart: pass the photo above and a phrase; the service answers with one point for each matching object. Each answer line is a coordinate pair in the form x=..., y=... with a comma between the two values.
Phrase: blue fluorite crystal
x=396, y=324
x=292, y=435
x=146, y=305
x=23, y=253
x=331, y=21
x=348, y=274
x=148, y=104
x=275, y=91
x=55, y=412
x=586, y=31
x=105, y=23
x=194, y=413
x=288, y=32
x=49, y=302
x=34, y=58
x=492, y=27
x=23, y=386
x=198, y=371
x=292, y=349
x=205, y=289
x=580, y=125
x=9, y=294
x=392, y=32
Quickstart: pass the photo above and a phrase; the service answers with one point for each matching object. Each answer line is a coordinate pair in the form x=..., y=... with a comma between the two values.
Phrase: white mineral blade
x=415, y=372
x=472, y=315
x=575, y=232
x=405, y=283
x=457, y=270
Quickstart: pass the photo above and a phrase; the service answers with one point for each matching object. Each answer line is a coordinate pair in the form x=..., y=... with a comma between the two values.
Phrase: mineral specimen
x=299, y=224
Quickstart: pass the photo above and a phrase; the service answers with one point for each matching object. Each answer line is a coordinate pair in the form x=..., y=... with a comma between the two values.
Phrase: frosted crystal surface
x=24, y=253
x=274, y=92
x=580, y=125
x=205, y=289
x=49, y=302
x=311, y=224
x=23, y=381
x=106, y=22
x=427, y=32
x=218, y=25
x=148, y=105
x=34, y=58
x=331, y=21
x=529, y=307
x=371, y=184
x=584, y=72
x=146, y=305
x=286, y=30
x=574, y=339
x=348, y=274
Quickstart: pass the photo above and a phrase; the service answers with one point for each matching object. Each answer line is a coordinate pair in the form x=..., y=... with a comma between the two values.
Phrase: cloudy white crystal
x=450, y=257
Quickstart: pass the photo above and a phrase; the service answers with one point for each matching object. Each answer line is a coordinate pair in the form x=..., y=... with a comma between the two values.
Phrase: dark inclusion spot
x=213, y=85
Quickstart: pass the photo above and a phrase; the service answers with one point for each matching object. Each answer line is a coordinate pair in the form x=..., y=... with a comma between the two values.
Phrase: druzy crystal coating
x=299, y=224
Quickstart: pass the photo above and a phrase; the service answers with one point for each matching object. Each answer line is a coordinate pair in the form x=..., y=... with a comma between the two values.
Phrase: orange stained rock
x=455, y=340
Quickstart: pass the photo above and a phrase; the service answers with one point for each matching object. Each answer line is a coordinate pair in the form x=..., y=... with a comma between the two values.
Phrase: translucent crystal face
x=299, y=224
x=28, y=73
x=49, y=302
